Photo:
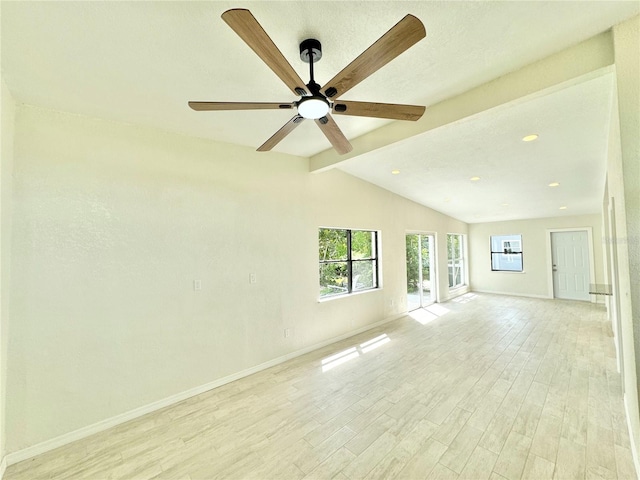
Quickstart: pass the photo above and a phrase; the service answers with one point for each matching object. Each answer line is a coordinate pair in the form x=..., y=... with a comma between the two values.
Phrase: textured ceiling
x=436, y=166
x=140, y=62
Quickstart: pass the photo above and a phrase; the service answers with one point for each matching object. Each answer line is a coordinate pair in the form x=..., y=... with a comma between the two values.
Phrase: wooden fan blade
x=247, y=27
x=333, y=133
x=402, y=36
x=379, y=110
x=208, y=106
x=280, y=134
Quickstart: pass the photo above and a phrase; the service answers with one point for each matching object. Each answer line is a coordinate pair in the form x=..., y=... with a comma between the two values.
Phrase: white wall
x=6, y=170
x=112, y=223
x=623, y=177
x=535, y=280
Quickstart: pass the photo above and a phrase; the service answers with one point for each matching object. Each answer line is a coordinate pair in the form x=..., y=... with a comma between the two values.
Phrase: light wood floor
x=493, y=388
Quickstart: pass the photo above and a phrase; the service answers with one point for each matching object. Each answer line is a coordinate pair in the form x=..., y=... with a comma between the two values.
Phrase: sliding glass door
x=420, y=272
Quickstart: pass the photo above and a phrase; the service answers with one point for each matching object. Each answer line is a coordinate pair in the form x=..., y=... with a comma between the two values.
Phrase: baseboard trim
x=458, y=292
x=59, y=441
x=634, y=449
x=3, y=466
x=511, y=294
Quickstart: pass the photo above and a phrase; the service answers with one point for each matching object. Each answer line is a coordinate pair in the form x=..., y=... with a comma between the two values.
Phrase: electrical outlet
x=197, y=285
x=253, y=278
x=287, y=332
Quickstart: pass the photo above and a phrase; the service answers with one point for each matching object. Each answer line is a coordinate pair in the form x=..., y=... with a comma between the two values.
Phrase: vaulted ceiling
x=140, y=62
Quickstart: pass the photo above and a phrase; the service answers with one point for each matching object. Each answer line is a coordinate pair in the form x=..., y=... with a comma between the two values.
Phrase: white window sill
x=347, y=295
x=506, y=271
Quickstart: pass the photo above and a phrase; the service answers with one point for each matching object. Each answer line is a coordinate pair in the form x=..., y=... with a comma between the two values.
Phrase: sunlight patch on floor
x=438, y=310
x=339, y=358
x=354, y=352
x=374, y=343
x=428, y=314
x=422, y=316
x=466, y=298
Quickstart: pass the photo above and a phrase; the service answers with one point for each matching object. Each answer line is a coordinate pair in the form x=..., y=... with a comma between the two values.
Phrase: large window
x=506, y=253
x=455, y=251
x=348, y=261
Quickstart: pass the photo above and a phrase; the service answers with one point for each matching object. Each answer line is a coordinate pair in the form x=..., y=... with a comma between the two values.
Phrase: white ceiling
x=436, y=166
x=140, y=62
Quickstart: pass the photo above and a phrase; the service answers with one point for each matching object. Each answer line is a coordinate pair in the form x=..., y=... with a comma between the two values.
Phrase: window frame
x=451, y=262
x=510, y=253
x=374, y=259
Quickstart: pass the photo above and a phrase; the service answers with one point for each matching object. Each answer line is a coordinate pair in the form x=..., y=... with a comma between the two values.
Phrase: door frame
x=434, y=262
x=592, y=267
x=614, y=304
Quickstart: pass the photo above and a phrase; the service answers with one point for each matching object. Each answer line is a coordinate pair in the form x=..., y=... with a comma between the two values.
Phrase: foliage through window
x=417, y=260
x=455, y=253
x=506, y=253
x=348, y=261
x=420, y=291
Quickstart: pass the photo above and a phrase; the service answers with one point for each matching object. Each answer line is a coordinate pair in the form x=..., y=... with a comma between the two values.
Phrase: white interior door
x=570, y=257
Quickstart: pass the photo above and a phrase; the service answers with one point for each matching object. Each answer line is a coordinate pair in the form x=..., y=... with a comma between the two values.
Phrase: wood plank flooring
x=483, y=387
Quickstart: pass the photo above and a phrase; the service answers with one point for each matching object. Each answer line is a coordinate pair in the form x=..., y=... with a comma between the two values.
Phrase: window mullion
x=349, y=260
x=376, y=261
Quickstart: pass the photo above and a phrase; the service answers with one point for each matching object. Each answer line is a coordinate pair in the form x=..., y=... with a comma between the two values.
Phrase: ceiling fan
x=316, y=102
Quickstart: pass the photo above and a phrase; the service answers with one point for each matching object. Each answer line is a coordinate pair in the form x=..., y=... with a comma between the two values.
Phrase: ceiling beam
x=571, y=65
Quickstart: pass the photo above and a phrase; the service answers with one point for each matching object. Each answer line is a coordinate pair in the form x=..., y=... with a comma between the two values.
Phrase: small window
x=348, y=261
x=506, y=253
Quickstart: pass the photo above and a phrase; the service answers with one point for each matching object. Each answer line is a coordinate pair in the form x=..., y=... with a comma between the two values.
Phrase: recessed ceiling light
x=474, y=179
x=505, y=204
x=530, y=138
x=395, y=172
x=563, y=208
x=554, y=184
x=447, y=199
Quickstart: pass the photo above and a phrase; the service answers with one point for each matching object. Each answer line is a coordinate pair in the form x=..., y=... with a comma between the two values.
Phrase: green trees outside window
x=348, y=260
x=455, y=262
x=420, y=284
x=417, y=260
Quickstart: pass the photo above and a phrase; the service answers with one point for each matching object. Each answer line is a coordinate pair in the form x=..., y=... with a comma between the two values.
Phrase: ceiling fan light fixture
x=313, y=107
